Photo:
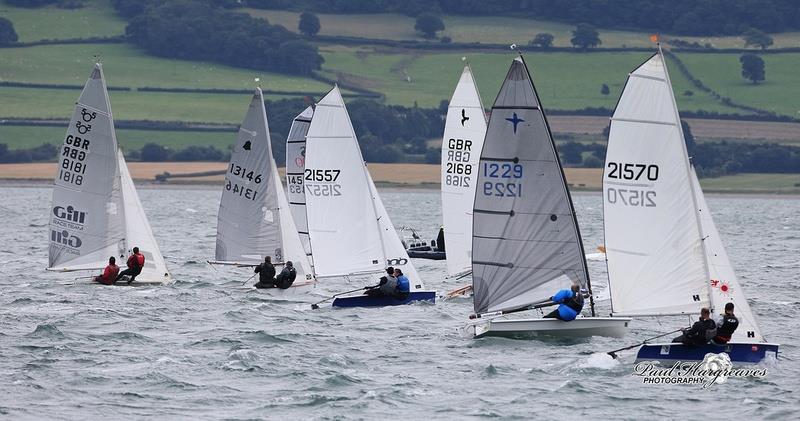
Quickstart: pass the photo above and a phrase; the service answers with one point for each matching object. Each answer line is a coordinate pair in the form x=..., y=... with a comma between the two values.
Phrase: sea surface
x=207, y=348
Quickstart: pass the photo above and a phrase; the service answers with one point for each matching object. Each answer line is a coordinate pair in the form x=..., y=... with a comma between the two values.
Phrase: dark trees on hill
x=309, y=24
x=197, y=30
x=428, y=25
x=585, y=36
x=757, y=38
x=752, y=68
x=543, y=40
x=7, y=33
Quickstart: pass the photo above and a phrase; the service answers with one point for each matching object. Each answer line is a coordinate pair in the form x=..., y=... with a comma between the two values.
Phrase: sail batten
x=526, y=242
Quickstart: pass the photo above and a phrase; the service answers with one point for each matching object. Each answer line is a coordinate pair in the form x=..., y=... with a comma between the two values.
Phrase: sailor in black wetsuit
x=266, y=274
x=701, y=331
x=726, y=325
x=287, y=276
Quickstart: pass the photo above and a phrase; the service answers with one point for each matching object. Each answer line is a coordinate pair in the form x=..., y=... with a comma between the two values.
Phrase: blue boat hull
x=742, y=353
x=365, y=301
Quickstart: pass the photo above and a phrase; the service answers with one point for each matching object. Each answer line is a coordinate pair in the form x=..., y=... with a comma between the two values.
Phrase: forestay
x=526, y=242
x=138, y=232
x=464, y=131
x=295, y=164
x=656, y=262
x=725, y=287
x=254, y=218
x=86, y=219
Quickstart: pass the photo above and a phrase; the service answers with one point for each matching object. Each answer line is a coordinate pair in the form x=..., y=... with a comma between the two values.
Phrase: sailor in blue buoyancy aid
x=570, y=304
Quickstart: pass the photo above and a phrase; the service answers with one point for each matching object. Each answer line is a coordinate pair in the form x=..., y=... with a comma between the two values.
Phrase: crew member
x=109, y=273
x=135, y=264
x=266, y=274
x=403, y=285
x=287, y=276
x=701, y=331
x=570, y=304
x=726, y=325
x=386, y=287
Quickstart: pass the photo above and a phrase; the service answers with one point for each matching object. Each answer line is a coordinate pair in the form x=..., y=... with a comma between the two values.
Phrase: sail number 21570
x=506, y=179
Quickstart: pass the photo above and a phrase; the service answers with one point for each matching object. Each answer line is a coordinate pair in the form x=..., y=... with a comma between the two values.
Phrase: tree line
x=208, y=30
x=686, y=17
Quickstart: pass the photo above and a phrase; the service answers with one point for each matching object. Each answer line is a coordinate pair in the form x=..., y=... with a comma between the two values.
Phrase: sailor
x=266, y=274
x=403, y=285
x=570, y=304
x=386, y=287
x=726, y=325
x=287, y=276
x=135, y=264
x=109, y=273
x=701, y=331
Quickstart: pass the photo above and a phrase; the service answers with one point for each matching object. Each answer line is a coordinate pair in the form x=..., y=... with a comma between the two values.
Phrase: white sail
x=656, y=261
x=254, y=218
x=295, y=165
x=396, y=255
x=342, y=220
x=86, y=219
x=725, y=287
x=526, y=242
x=464, y=131
x=138, y=232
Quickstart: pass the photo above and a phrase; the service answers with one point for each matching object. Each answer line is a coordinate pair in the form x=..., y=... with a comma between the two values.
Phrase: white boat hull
x=581, y=327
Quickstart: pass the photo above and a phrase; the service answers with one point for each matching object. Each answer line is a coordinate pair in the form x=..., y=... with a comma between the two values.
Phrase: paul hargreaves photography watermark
x=715, y=368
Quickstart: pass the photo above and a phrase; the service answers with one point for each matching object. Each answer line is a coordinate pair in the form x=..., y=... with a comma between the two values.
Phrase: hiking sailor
x=135, y=264
x=570, y=304
x=287, y=276
x=701, y=331
x=266, y=274
x=386, y=287
x=109, y=273
x=403, y=285
x=726, y=325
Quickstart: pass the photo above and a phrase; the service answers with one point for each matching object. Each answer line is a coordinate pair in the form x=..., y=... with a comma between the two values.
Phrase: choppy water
x=203, y=348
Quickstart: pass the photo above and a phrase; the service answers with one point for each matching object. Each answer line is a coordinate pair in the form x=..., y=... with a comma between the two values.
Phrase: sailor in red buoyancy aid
x=135, y=265
x=109, y=275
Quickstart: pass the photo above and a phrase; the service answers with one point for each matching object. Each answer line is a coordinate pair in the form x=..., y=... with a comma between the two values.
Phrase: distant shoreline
x=423, y=177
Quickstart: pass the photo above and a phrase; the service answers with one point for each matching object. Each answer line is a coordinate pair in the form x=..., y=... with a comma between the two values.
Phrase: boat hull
x=581, y=327
x=430, y=255
x=365, y=301
x=741, y=353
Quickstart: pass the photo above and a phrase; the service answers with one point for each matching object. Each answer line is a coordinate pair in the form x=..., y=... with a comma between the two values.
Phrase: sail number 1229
x=507, y=180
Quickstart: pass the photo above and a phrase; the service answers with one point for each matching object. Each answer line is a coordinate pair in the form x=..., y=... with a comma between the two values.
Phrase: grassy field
x=722, y=72
x=96, y=19
x=126, y=65
x=157, y=106
x=564, y=80
x=744, y=183
x=17, y=137
x=488, y=29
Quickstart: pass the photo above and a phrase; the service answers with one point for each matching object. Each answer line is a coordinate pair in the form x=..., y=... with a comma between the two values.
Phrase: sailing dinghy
x=96, y=211
x=295, y=165
x=348, y=226
x=664, y=254
x=526, y=243
x=254, y=219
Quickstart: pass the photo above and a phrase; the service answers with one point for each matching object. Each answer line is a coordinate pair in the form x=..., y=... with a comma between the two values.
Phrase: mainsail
x=526, y=242
x=87, y=217
x=96, y=212
x=295, y=164
x=348, y=225
x=464, y=131
x=254, y=218
x=656, y=261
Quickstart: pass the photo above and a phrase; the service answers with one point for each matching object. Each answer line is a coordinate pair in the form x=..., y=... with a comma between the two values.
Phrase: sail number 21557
x=322, y=182
x=505, y=179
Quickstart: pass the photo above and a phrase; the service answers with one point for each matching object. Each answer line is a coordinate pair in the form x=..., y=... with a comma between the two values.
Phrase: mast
x=566, y=190
x=689, y=174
